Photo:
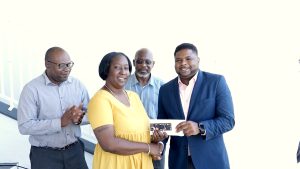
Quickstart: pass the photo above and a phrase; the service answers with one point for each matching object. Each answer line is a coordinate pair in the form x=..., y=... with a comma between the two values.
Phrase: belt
x=58, y=148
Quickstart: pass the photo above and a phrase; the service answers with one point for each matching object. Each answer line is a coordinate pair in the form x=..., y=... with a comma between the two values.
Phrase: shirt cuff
x=56, y=124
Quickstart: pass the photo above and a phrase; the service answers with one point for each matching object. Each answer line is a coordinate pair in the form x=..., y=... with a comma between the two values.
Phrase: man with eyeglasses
x=146, y=86
x=50, y=110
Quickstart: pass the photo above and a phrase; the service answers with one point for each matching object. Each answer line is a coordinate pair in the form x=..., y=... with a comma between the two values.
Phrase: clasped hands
x=72, y=115
x=157, y=146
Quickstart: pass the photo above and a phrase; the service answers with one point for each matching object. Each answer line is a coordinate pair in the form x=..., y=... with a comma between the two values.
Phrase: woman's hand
x=158, y=135
x=156, y=150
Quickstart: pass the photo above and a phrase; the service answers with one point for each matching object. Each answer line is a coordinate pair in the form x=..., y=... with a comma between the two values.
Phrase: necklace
x=125, y=93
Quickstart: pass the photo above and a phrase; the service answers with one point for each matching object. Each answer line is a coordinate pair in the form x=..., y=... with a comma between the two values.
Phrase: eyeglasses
x=147, y=61
x=63, y=65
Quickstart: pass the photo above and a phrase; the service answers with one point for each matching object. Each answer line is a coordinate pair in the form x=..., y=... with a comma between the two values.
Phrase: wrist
x=149, y=149
x=202, y=130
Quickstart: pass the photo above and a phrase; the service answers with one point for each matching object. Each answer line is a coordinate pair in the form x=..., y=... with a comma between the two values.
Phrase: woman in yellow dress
x=119, y=120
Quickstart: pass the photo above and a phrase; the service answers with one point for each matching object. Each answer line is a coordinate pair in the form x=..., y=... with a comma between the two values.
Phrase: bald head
x=51, y=51
x=143, y=52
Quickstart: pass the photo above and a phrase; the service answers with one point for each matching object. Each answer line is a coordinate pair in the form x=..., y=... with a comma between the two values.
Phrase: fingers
x=71, y=109
x=77, y=117
x=188, y=128
x=78, y=111
x=181, y=126
x=74, y=114
x=66, y=118
x=80, y=106
x=69, y=113
x=156, y=149
x=155, y=157
x=158, y=135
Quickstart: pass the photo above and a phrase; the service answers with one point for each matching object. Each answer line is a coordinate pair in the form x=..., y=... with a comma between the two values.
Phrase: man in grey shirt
x=146, y=86
x=50, y=110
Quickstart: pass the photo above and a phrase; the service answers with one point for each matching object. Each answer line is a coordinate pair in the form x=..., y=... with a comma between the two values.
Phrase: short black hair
x=186, y=46
x=52, y=50
x=106, y=61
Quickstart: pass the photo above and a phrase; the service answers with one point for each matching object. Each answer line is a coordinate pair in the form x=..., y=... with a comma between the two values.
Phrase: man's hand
x=72, y=115
x=188, y=128
x=78, y=114
x=67, y=117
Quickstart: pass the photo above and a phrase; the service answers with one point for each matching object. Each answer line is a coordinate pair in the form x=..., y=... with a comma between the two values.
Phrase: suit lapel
x=196, y=91
x=177, y=99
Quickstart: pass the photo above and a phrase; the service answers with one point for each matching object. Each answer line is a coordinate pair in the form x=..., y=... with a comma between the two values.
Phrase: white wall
x=254, y=44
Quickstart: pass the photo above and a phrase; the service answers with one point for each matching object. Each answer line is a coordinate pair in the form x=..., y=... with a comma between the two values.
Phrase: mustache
x=142, y=75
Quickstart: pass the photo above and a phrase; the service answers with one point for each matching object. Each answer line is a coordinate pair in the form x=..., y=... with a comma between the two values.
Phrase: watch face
x=201, y=128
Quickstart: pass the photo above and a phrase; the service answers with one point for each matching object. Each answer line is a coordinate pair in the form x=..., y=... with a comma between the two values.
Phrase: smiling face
x=118, y=72
x=56, y=74
x=186, y=64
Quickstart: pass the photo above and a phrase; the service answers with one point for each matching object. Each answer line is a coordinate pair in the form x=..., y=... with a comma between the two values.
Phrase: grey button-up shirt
x=42, y=104
x=148, y=93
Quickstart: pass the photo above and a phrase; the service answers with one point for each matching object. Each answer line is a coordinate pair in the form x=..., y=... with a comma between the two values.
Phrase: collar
x=48, y=81
x=150, y=81
x=193, y=79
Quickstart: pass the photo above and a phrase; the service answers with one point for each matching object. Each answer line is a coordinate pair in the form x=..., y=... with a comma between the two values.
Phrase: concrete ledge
x=4, y=110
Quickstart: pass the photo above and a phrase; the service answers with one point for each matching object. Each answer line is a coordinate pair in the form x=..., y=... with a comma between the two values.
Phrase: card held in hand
x=167, y=125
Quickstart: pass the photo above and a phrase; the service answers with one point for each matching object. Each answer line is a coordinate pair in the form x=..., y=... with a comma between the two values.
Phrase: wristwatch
x=202, y=129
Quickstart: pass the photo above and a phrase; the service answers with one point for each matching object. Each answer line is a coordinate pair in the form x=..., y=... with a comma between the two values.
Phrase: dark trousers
x=48, y=158
x=159, y=164
x=190, y=163
x=298, y=153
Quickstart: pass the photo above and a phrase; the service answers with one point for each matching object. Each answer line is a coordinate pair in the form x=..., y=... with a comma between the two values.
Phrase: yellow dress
x=130, y=123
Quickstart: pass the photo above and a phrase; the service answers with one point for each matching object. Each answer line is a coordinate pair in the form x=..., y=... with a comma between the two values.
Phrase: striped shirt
x=41, y=106
x=148, y=93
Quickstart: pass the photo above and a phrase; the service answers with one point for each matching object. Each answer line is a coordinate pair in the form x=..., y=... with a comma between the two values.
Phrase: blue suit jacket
x=210, y=104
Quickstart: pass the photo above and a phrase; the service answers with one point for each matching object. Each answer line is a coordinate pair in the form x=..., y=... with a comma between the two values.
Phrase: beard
x=142, y=75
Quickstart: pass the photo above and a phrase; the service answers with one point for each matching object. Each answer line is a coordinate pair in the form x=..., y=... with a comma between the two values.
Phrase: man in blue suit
x=203, y=99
